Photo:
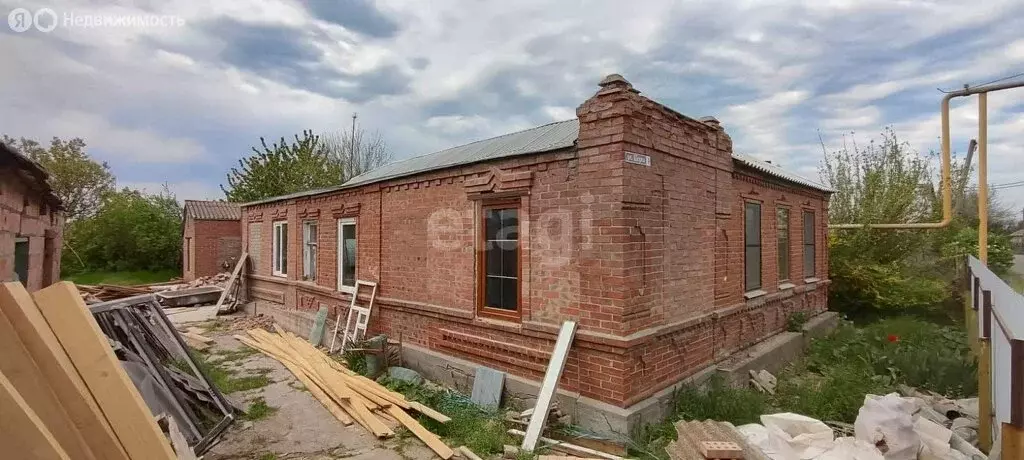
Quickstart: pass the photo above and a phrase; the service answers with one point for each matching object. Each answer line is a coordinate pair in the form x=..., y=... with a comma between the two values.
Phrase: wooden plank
x=22, y=434
x=418, y=407
x=569, y=447
x=17, y=306
x=547, y=390
x=428, y=438
x=299, y=374
x=468, y=453
x=17, y=365
x=335, y=385
x=231, y=281
x=93, y=358
x=197, y=337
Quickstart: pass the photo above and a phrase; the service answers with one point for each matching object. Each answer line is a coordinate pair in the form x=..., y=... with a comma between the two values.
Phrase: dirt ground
x=300, y=428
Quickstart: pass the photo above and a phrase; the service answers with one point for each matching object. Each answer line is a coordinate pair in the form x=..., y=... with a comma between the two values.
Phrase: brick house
x=31, y=222
x=640, y=223
x=211, y=240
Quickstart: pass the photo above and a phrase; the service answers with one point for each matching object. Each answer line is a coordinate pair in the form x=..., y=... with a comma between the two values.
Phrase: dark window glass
x=501, y=258
x=808, y=244
x=752, y=246
x=348, y=257
x=783, y=236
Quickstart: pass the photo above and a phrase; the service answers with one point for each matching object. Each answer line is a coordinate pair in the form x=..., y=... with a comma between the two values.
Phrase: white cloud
x=186, y=190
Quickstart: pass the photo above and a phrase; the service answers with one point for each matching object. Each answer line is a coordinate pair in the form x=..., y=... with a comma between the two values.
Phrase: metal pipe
x=983, y=178
x=947, y=189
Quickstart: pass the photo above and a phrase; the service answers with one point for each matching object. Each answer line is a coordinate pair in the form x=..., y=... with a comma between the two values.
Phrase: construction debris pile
x=889, y=427
x=107, y=292
x=64, y=392
x=350, y=397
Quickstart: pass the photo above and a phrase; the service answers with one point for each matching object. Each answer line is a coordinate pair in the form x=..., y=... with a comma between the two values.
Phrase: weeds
x=484, y=432
x=223, y=378
x=831, y=381
x=796, y=321
x=258, y=410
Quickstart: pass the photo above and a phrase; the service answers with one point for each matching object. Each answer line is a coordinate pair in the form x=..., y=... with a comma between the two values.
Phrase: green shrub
x=795, y=322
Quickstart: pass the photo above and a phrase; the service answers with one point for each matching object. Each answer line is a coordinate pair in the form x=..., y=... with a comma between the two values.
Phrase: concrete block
x=487, y=387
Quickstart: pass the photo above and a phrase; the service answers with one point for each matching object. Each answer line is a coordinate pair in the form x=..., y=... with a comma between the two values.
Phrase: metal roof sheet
x=776, y=171
x=212, y=210
x=545, y=138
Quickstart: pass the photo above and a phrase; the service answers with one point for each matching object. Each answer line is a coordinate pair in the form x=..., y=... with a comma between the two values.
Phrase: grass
x=258, y=410
x=225, y=379
x=126, y=278
x=483, y=431
x=829, y=384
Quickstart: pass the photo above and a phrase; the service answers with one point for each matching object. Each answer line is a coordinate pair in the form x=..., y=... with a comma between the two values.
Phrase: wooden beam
x=22, y=434
x=428, y=438
x=547, y=389
x=93, y=358
x=35, y=334
x=16, y=363
x=313, y=388
x=231, y=281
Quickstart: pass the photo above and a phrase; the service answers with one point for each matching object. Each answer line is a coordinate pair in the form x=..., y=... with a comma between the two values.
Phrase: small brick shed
x=672, y=252
x=31, y=222
x=211, y=239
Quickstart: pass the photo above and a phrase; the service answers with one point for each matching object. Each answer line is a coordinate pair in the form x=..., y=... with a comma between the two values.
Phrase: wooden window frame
x=307, y=252
x=481, y=260
x=812, y=244
x=759, y=245
x=341, y=247
x=787, y=254
x=277, y=250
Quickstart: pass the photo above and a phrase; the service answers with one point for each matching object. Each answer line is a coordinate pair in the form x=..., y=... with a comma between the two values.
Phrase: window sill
x=811, y=280
x=280, y=275
x=347, y=289
x=784, y=286
x=497, y=314
x=755, y=293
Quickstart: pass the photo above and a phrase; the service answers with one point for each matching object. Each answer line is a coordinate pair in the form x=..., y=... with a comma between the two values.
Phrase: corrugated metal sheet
x=552, y=136
x=212, y=210
x=776, y=171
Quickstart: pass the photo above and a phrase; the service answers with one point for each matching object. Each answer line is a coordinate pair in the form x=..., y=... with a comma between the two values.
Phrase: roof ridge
x=436, y=152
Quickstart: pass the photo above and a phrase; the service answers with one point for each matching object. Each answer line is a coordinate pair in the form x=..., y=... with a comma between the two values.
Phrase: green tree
x=79, y=181
x=131, y=230
x=283, y=168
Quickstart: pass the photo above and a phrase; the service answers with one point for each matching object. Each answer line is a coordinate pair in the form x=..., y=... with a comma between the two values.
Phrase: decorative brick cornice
x=346, y=210
x=495, y=180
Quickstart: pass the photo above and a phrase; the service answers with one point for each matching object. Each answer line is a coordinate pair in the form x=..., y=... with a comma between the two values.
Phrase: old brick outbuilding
x=31, y=222
x=640, y=223
x=211, y=238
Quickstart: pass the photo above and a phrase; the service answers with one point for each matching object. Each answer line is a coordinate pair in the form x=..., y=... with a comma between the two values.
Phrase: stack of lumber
x=63, y=392
x=108, y=292
x=350, y=397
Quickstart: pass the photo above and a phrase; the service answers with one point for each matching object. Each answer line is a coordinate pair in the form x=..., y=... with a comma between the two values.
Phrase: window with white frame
x=808, y=244
x=347, y=254
x=280, y=249
x=309, y=245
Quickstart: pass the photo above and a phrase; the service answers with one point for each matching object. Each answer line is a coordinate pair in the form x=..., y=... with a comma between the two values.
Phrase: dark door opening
x=21, y=259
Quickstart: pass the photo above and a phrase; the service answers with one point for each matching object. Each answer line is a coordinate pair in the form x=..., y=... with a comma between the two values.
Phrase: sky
x=176, y=91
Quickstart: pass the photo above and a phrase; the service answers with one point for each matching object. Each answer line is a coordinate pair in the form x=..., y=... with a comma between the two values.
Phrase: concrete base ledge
x=772, y=354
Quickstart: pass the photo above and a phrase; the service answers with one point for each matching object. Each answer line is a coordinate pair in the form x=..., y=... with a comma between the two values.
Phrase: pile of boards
x=108, y=292
x=350, y=397
x=63, y=392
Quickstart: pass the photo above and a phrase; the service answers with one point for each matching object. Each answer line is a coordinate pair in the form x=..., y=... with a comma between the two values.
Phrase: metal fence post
x=985, y=373
x=1013, y=433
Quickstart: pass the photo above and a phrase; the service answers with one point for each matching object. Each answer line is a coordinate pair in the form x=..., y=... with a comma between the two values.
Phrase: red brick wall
x=24, y=214
x=648, y=259
x=214, y=244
